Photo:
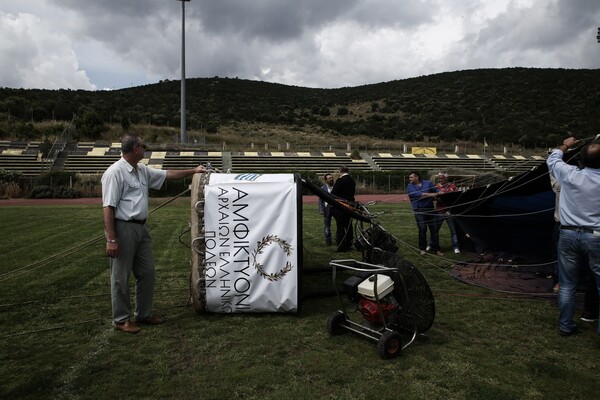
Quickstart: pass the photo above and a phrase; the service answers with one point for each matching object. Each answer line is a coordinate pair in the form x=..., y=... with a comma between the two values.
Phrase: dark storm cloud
x=132, y=8
x=543, y=27
x=385, y=13
x=118, y=21
x=268, y=19
x=225, y=38
x=578, y=17
x=318, y=43
x=546, y=34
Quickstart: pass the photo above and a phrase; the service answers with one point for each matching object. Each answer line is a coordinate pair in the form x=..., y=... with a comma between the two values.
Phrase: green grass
x=56, y=337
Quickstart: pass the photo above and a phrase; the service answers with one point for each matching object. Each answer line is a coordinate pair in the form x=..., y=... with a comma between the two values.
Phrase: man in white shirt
x=125, y=187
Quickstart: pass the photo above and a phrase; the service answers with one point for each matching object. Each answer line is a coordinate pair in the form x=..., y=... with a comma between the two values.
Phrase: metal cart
x=393, y=318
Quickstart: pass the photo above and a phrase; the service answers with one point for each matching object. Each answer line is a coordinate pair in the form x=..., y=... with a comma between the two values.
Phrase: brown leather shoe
x=129, y=327
x=153, y=320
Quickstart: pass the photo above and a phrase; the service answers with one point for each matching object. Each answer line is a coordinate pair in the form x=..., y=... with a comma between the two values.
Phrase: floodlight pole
x=183, y=111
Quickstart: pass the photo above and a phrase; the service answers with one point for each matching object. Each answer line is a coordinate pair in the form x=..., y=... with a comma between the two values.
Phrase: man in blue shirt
x=579, y=212
x=421, y=195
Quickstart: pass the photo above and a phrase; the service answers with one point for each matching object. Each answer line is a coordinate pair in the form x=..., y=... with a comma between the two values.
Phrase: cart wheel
x=389, y=345
x=334, y=323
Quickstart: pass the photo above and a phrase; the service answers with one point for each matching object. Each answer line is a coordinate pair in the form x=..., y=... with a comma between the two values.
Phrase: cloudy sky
x=111, y=44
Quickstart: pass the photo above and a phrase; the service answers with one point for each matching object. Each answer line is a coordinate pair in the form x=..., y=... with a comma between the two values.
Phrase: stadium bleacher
x=21, y=156
x=516, y=164
x=191, y=159
x=91, y=158
x=406, y=162
x=319, y=163
x=96, y=157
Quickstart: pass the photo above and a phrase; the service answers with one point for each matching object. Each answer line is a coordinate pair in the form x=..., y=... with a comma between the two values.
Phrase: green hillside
x=527, y=107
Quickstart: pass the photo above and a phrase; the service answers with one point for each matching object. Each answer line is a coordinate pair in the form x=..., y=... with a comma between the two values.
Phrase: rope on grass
x=63, y=326
x=449, y=262
x=52, y=328
x=42, y=263
x=507, y=296
x=84, y=296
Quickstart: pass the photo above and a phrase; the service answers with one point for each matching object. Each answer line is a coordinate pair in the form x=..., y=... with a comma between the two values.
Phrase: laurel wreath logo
x=261, y=245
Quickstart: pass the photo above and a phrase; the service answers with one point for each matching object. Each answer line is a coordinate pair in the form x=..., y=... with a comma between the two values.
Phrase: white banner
x=251, y=231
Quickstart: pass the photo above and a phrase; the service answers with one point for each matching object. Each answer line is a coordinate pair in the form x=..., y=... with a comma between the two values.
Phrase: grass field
x=57, y=341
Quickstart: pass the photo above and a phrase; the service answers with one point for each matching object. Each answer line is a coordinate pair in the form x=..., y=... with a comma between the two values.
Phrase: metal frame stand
x=386, y=336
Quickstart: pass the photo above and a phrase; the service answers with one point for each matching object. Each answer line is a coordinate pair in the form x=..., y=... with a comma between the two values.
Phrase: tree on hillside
x=125, y=123
x=504, y=104
x=89, y=123
x=342, y=111
x=25, y=131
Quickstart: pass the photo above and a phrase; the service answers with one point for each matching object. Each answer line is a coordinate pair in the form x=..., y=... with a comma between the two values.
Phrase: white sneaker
x=456, y=251
x=428, y=248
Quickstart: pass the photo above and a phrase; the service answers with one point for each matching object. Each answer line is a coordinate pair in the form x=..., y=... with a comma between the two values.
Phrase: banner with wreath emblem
x=252, y=237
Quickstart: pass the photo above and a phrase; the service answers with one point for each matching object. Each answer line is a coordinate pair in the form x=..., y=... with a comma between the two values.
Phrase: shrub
x=41, y=192
x=324, y=111
x=11, y=190
x=10, y=176
x=12, y=184
x=57, y=178
x=64, y=192
x=59, y=192
x=342, y=111
x=88, y=185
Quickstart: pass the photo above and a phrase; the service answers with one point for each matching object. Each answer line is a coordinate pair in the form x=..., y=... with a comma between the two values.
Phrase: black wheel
x=334, y=323
x=389, y=345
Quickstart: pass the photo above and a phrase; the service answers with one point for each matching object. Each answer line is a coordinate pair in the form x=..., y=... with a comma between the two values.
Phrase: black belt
x=133, y=221
x=577, y=228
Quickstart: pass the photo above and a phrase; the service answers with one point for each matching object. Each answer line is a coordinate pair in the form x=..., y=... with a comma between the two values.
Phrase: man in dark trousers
x=125, y=187
x=579, y=239
x=343, y=187
x=325, y=209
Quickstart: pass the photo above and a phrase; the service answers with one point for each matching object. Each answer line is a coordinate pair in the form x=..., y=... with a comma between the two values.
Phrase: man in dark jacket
x=345, y=188
x=325, y=209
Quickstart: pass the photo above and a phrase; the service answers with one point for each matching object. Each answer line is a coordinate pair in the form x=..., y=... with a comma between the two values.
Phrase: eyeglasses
x=142, y=145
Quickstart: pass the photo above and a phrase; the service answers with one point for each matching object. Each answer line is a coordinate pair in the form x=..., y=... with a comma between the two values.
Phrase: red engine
x=369, y=311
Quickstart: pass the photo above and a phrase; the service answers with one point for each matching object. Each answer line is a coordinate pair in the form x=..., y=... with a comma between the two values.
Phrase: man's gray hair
x=128, y=143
